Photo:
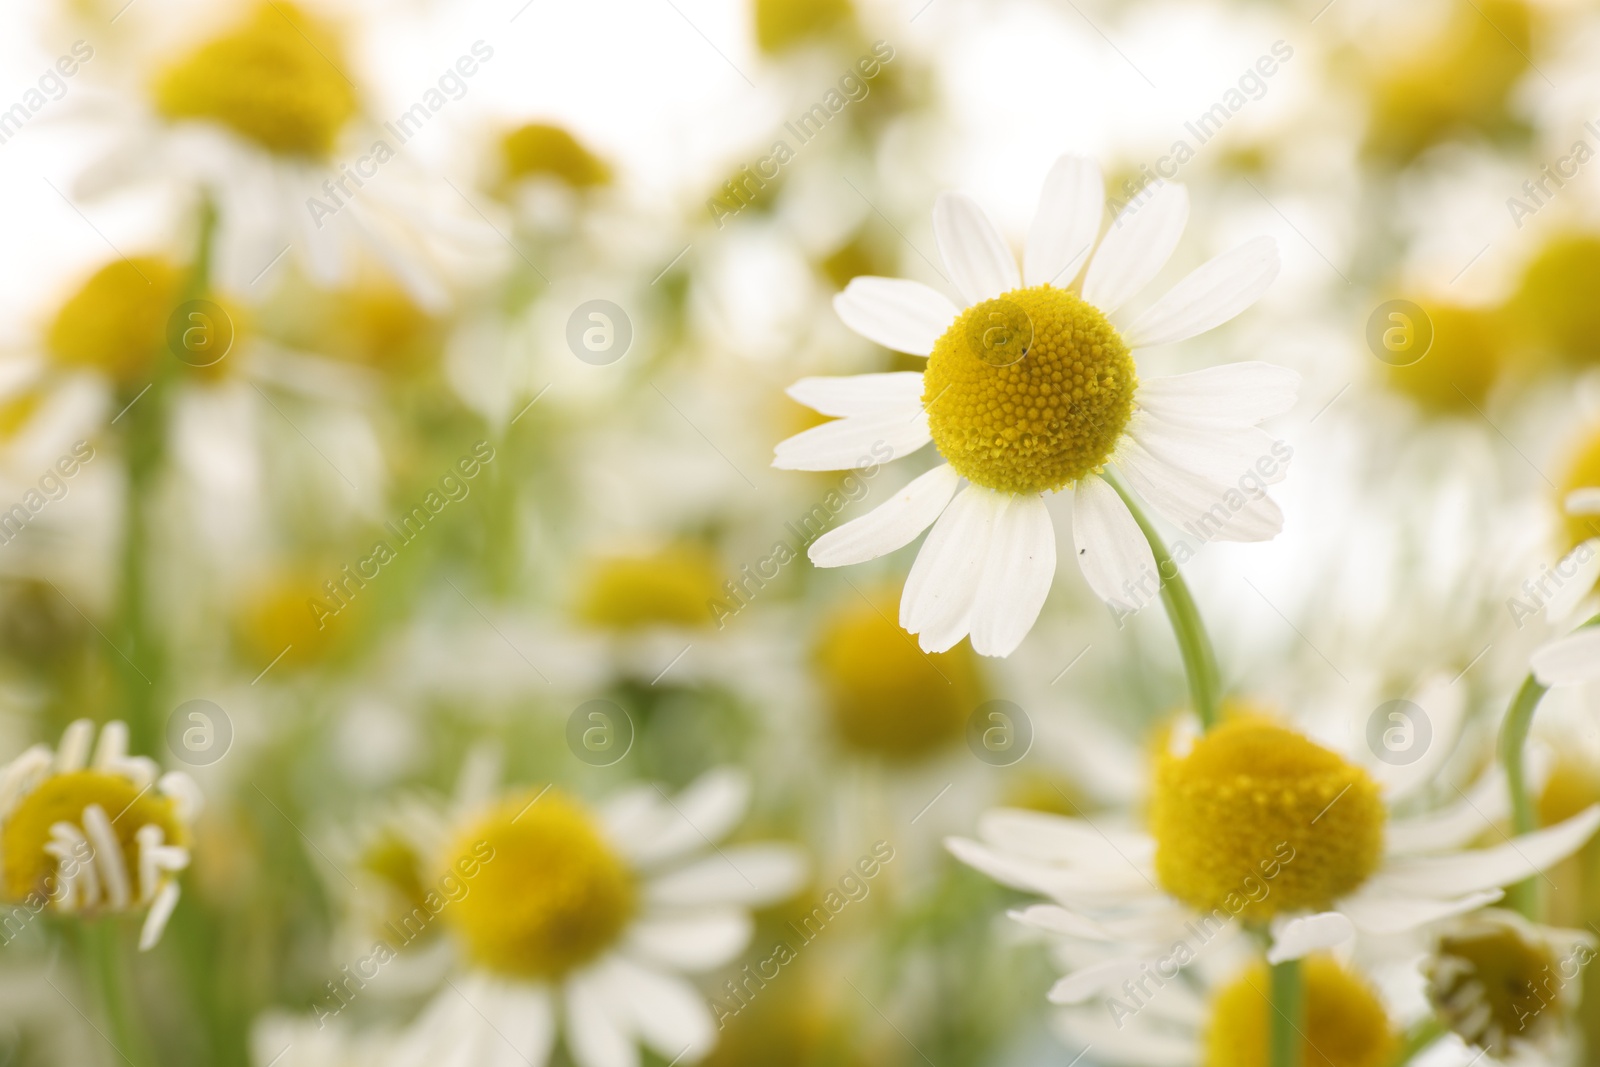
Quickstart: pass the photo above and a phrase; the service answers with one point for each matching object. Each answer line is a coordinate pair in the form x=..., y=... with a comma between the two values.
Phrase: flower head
x=1031, y=388
x=84, y=836
x=1345, y=1024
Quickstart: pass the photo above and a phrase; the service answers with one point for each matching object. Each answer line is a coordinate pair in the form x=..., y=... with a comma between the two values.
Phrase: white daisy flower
x=1575, y=658
x=82, y=836
x=1254, y=822
x=264, y=118
x=584, y=923
x=1031, y=388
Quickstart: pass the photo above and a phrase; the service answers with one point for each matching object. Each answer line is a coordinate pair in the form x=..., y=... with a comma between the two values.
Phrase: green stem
x=140, y=664
x=1525, y=897
x=1418, y=1039
x=1284, y=1043
x=1194, y=644
x=101, y=946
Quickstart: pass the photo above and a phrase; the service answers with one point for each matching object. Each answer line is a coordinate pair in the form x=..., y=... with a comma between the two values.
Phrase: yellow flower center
x=1490, y=983
x=1029, y=391
x=1469, y=352
x=673, y=587
x=781, y=24
x=275, y=80
x=1344, y=1025
x=551, y=896
x=1258, y=820
x=394, y=862
x=117, y=322
x=884, y=696
x=540, y=150
x=1554, y=306
x=1582, y=473
x=28, y=868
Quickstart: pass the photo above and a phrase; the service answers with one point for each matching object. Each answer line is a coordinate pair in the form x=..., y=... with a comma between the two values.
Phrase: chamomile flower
x=1031, y=389
x=264, y=117
x=87, y=836
x=1256, y=823
x=583, y=922
x=1575, y=658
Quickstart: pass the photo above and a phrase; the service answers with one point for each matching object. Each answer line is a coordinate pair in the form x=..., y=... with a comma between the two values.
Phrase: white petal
x=155, y=920
x=1112, y=551
x=1295, y=939
x=1571, y=660
x=1208, y=509
x=525, y=1019
x=943, y=584
x=896, y=522
x=594, y=1034
x=704, y=813
x=666, y=1013
x=1016, y=577
x=860, y=441
x=1087, y=982
x=1466, y=872
x=903, y=315
x=747, y=874
x=1583, y=563
x=1137, y=246
x=1059, y=839
x=73, y=752
x=860, y=394
x=1231, y=396
x=1383, y=911
x=1066, y=223
x=1453, y=826
x=1584, y=501
x=1211, y=295
x=108, y=858
x=692, y=943
x=980, y=264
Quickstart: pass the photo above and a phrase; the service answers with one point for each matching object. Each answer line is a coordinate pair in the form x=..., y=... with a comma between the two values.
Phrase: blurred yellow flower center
x=884, y=696
x=393, y=861
x=62, y=798
x=1489, y=983
x=1258, y=820
x=276, y=80
x=1029, y=391
x=673, y=587
x=540, y=150
x=116, y=324
x=1469, y=353
x=1344, y=1025
x=553, y=895
x=781, y=24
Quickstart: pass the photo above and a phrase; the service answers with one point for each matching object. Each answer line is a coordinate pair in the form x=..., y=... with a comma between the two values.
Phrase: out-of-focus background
x=535, y=347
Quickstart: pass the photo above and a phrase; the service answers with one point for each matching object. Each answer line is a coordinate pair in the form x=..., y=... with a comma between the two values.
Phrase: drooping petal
x=705, y=812
x=893, y=524
x=1059, y=839
x=860, y=394
x=1205, y=509
x=1212, y=294
x=1479, y=869
x=1137, y=246
x=595, y=1033
x=1380, y=909
x=1231, y=396
x=1571, y=660
x=1294, y=939
x=1016, y=577
x=853, y=442
x=981, y=266
x=903, y=315
x=943, y=584
x=1066, y=223
x=1112, y=551
x=744, y=874
x=666, y=1012
x=1088, y=982
x=693, y=942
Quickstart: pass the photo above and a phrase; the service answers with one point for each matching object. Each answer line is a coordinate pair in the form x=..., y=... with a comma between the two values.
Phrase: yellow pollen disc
x=117, y=322
x=782, y=24
x=28, y=868
x=1258, y=820
x=1554, y=306
x=1029, y=391
x=1583, y=472
x=541, y=150
x=673, y=587
x=884, y=696
x=551, y=895
x=1469, y=353
x=394, y=862
x=275, y=80
x=1490, y=983
x=1344, y=1025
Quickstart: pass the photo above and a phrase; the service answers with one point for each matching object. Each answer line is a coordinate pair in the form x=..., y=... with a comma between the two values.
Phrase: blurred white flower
x=1031, y=390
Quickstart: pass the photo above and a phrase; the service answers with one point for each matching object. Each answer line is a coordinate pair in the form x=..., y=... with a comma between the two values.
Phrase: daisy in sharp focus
x=583, y=922
x=1031, y=388
x=1254, y=822
x=86, y=835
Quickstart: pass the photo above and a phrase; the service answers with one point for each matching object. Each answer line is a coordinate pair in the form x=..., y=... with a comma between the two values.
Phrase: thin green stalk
x=101, y=945
x=1525, y=897
x=1284, y=1043
x=1194, y=644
